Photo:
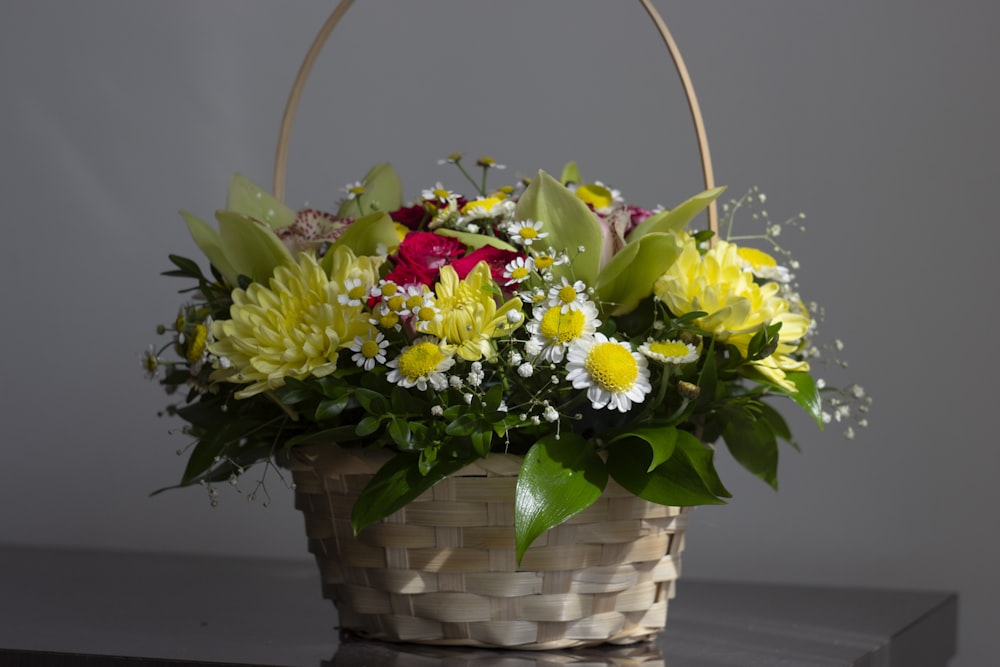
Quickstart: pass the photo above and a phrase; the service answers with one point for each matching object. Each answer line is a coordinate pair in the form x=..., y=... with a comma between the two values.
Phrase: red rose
x=410, y=216
x=428, y=252
x=495, y=257
x=405, y=274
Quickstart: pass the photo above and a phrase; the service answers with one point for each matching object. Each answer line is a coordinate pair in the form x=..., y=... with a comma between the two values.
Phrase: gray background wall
x=876, y=118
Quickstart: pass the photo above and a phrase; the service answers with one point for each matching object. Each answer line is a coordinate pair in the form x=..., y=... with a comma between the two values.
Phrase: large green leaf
x=383, y=192
x=249, y=199
x=753, y=444
x=661, y=440
x=208, y=240
x=807, y=395
x=630, y=275
x=688, y=477
x=254, y=250
x=569, y=224
x=558, y=478
x=396, y=484
x=675, y=219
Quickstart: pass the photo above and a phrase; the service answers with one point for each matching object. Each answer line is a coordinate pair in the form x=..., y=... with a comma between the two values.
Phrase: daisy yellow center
x=528, y=232
x=425, y=313
x=441, y=193
x=369, y=349
x=486, y=162
x=612, y=367
x=544, y=261
x=357, y=190
x=567, y=294
x=506, y=189
x=518, y=273
x=486, y=204
x=389, y=320
x=396, y=302
x=756, y=257
x=414, y=301
x=561, y=327
x=419, y=360
x=595, y=195
x=669, y=348
x=197, y=345
x=357, y=292
x=389, y=289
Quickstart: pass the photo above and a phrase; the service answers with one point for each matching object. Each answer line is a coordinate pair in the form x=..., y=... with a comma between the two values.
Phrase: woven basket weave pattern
x=442, y=570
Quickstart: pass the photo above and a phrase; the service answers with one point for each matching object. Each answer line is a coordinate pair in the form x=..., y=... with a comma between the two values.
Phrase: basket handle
x=285, y=133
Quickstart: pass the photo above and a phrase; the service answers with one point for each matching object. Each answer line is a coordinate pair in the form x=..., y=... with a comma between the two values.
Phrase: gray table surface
x=63, y=606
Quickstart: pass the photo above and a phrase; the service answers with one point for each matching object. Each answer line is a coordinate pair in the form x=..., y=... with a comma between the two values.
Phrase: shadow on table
x=364, y=653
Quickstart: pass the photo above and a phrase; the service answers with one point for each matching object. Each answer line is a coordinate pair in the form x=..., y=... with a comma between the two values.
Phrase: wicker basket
x=442, y=570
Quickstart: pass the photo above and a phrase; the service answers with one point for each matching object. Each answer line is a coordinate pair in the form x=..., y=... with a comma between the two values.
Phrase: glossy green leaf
x=367, y=426
x=373, y=402
x=558, y=479
x=630, y=275
x=807, y=395
x=465, y=424
x=399, y=431
x=209, y=242
x=397, y=483
x=661, y=440
x=569, y=224
x=331, y=408
x=249, y=199
x=481, y=440
x=383, y=192
x=254, y=250
x=676, y=218
x=774, y=419
x=688, y=477
x=753, y=445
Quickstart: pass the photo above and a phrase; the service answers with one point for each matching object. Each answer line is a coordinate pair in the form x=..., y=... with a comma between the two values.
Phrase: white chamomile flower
x=438, y=193
x=568, y=296
x=614, y=376
x=354, y=190
x=489, y=163
x=762, y=265
x=669, y=351
x=421, y=364
x=526, y=232
x=497, y=208
x=553, y=329
x=369, y=351
x=518, y=270
x=353, y=294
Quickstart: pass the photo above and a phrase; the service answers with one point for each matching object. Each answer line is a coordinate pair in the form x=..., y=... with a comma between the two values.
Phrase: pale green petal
x=569, y=224
x=209, y=242
x=383, y=192
x=371, y=235
x=630, y=275
x=476, y=241
x=251, y=246
x=675, y=219
x=249, y=199
x=570, y=174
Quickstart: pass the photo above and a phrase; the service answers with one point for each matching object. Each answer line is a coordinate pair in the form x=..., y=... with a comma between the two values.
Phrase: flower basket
x=443, y=569
x=496, y=409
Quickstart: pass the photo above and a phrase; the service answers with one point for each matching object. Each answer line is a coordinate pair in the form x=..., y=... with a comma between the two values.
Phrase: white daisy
x=518, y=270
x=369, y=351
x=568, y=296
x=354, y=292
x=526, y=232
x=614, y=376
x=669, y=351
x=422, y=364
x=553, y=329
x=489, y=163
x=354, y=190
x=438, y=193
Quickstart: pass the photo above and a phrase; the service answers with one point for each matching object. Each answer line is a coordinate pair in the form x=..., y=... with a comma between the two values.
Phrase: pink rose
x=427, y=252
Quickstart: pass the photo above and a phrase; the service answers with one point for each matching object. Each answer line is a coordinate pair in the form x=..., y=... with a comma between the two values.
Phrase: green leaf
x=807, y=395
x=367, y=426
x=208, y=241
x=774, y=419
x=753, y=445
x=688, y=477
x=569, y=224
x=331, y=408
x=383, y=192
x=249, y=199
x=630, y=275
x=558, y=479
x=481, y=440
x=675, y=219
x=365, y=236
x=475, y=241
x=399, y=431
x=252, y=248
x=465, y=424
x=661, y=441
x=395, y=484
x=373, y=402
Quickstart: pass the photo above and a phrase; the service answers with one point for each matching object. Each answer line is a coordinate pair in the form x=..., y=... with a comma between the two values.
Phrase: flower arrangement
x=550, y=319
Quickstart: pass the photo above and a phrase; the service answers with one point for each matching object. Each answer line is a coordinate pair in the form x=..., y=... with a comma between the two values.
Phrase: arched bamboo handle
x=285, y=133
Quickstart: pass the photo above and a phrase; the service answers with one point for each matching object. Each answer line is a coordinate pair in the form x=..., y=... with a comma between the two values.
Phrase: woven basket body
x=442, y=570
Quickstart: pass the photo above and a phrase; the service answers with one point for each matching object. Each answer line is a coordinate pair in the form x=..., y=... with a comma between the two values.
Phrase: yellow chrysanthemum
x=737, y=306
x=292, y=327
x=469, y=317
